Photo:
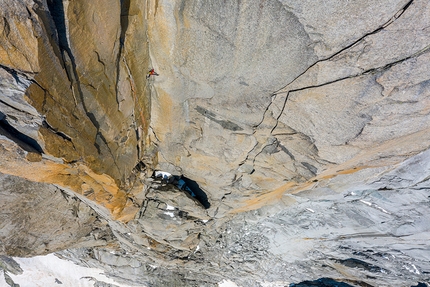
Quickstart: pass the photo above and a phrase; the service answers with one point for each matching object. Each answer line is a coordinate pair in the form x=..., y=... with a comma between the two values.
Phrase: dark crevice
x=12, y=107
x=56, y=9
x=55, y=131
x=14, y=74
x=199, y=194
x=25, y=142
x=6, y=27
x=125, y=11
x=124, y=22
x=360, y=264
x=226, y=124
x=385, y=188
x=191, y=187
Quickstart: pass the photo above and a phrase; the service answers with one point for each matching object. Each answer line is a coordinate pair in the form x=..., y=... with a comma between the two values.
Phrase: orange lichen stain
x=331, y=173
x=352, y=170
x=264, y=199
x=128, y=212
x=100, y=188
x=387, y=153
x=327, y=176
x=291, y=188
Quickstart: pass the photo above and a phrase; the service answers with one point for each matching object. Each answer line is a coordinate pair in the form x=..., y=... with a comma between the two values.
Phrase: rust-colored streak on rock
x=385, y=154
x=264, y=199
x=78, y=178
x=377, y=155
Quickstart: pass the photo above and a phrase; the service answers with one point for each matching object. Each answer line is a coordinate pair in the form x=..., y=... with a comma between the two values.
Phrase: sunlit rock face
x=301, y=130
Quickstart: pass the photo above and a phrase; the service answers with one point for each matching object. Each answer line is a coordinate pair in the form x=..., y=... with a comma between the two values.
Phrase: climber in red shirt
x=151, y=73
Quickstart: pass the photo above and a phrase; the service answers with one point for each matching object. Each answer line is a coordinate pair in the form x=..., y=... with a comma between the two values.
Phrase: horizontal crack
x=15, y=72
x=15, y=108
x=24, y=141
x=55, y=131
x=386, y=24
x=367, y=72
x=279, y=91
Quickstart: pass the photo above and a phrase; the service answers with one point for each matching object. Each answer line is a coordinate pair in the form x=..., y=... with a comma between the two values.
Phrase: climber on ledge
x=173, y=179
x=151, y=73
x=183, y=183
x=165, y=176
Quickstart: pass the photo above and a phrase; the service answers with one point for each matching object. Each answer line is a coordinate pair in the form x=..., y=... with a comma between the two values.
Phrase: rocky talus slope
x=302, y=129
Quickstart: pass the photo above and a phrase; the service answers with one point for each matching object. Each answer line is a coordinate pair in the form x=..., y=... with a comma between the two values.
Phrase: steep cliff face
x=74, y=95
x=301, y=127
x=77, y=68
x=263, y=93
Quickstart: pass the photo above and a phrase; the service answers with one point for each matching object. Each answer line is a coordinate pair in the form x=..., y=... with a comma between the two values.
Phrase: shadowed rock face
x=73, y=62
x=306, y=126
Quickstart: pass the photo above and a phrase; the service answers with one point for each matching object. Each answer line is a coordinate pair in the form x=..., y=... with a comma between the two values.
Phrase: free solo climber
x=151, y=73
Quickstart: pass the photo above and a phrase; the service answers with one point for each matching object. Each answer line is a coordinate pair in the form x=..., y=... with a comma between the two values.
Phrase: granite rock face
x=35, y=208
x=304, y=127
x=70, y=60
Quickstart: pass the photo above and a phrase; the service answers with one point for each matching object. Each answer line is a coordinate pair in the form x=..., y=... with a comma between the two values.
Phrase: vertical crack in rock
x=137, y=128
x=126, y=61
x=56, y=9
x=124, y=21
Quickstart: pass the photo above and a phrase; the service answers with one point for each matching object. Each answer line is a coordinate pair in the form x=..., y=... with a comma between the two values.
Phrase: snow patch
x=197, y=248
x=227, y=283
x=414, y=269
x=169, y=207
x=366, y=202
x=41, y=271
